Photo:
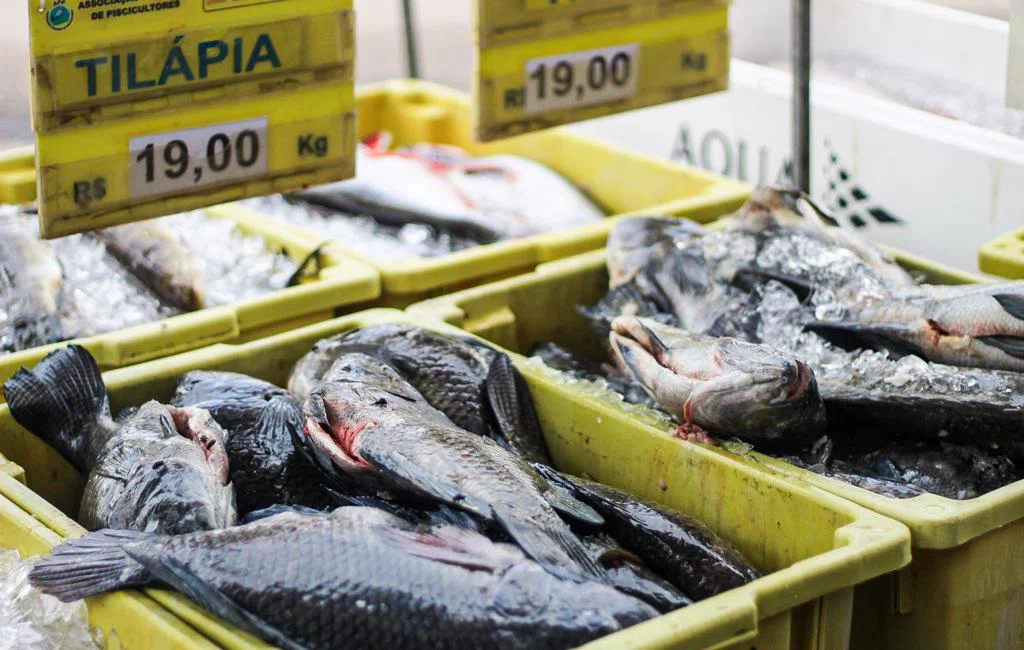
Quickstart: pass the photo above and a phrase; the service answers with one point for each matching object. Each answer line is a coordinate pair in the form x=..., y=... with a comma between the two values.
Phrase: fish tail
x=59, y=399
x=94, y=564
x=555, y=548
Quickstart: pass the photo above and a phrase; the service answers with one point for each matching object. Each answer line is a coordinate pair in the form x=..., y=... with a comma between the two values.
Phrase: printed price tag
x=586, y=58
x=149, y=107
x=167, y=162
x=581, y=78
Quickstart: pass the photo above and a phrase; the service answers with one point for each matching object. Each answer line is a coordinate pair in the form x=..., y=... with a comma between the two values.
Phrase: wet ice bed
x=100, y=295
x=375, y=240
x=31, y=620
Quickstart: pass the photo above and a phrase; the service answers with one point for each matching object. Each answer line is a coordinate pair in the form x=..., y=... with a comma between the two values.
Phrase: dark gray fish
x=379, y=583
x=159, y=260
x=475, y=385
x=861, y=478
x=722, y=386
x=938, y=413
x=264, y=423
x=949, y=470
x=627, y=573
x=307, y=371
x=366, y=423
x=31, y=287
x=677, y=547
x=164, y=469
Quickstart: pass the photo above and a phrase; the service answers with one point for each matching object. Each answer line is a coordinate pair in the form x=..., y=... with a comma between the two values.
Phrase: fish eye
x=158, y=465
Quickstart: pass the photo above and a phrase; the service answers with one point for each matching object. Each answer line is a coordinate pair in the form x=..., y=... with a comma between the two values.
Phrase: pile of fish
x=427, y=200
x=398, y=493
x=84, y=285
x=789, y=333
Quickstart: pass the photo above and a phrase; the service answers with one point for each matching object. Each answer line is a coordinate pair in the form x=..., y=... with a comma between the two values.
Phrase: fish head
x=726, y=386
x=633, y=243
x=356, y=392
x=181, y=483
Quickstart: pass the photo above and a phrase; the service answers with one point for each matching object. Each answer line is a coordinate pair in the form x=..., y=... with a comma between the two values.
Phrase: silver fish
x=486, y=199
x=980, y=326
x=159, y=260
x=31, y=284
x=721, y=386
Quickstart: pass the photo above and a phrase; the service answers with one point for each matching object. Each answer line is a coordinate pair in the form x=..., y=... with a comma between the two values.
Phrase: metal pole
x=802, y=94
x=412, y=62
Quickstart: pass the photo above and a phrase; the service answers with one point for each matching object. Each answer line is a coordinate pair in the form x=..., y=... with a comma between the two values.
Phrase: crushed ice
x=31, y=620
x=100, y=295
x=376, y=241
x=781, y=315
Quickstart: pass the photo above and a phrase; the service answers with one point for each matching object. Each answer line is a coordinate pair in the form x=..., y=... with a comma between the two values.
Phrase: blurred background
x=443, y=28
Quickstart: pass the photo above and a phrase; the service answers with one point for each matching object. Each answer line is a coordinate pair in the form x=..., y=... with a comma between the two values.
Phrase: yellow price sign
x=542, y=63
x=147, y=107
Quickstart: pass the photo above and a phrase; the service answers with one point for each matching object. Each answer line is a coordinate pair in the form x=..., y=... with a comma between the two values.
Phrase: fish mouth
x=639, y=352
x=334, y=445
x=800, y=382
x=198, y=425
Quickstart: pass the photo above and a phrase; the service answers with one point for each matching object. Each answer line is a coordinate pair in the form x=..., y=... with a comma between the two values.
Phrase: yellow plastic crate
x=623, y=181
x=1004, y=256
x=965, y=586
x=342, y=282
x=812, y=546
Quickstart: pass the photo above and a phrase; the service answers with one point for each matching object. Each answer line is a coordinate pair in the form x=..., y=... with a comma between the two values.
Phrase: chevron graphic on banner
x=847, y=200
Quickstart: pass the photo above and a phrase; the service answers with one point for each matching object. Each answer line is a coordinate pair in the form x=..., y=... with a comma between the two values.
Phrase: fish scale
x=369, y=425
x=358, y=578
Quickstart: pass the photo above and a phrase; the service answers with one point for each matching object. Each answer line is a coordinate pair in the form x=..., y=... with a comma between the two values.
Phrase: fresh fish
x=633, y=242
x=164, y=469
x=263, y=423
x=31, y=283
x=980, y=326
x=627, y=573
x=366, y=423
x=721, y=386
x=938, y=412
x=949, y=470
x=357, y=577
x=688, y=279
x=308, y=370
x=771, y=208
x=679, y=548
x=159, y=260
x=473, y=384
x=486, y=199
x=869, y=481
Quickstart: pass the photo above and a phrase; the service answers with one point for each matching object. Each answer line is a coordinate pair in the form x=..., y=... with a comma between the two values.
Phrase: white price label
x=582, y=78
x=164, y=163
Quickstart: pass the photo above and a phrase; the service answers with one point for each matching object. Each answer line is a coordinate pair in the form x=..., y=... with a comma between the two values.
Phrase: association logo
x=59, y=16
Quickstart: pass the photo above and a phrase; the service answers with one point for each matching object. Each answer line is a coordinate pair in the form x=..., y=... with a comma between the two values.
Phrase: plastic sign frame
x=542, y=63
x=149, y=107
